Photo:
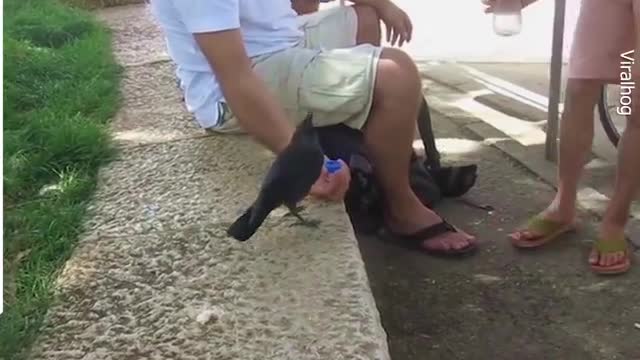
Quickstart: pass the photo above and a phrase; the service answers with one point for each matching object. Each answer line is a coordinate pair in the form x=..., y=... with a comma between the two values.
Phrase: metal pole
x=551, y=145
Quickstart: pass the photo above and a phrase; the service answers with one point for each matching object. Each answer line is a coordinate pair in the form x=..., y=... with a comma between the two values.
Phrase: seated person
x=252, y=66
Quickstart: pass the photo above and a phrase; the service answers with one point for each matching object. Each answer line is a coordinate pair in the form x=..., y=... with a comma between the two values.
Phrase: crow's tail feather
x=247, y=224
x=241, y=229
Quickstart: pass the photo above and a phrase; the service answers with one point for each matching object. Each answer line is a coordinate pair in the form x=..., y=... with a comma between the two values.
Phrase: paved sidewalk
x=155, y=276
x=501, y=304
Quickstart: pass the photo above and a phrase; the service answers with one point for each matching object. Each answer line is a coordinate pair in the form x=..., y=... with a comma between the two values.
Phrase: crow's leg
x=295, y=211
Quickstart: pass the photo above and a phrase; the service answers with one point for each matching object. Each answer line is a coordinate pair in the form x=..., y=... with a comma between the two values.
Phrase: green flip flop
x=546, y=229
x=610, y=246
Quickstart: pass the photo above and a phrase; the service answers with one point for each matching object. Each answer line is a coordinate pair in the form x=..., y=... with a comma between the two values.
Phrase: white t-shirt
x=266, y=26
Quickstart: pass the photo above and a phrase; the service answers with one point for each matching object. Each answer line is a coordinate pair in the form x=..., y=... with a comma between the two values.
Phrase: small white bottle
x=507, y=17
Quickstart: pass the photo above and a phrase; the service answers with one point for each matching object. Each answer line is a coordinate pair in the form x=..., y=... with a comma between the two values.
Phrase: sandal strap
x=541, y=225
x=611, y=245
x=429, y=232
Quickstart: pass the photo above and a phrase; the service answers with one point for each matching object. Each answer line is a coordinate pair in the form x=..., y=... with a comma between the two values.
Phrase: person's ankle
x=409, y=213
x=561, y=210
x=611, y=225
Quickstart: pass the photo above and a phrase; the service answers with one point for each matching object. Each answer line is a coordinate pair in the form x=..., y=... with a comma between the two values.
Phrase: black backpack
x=429, y=179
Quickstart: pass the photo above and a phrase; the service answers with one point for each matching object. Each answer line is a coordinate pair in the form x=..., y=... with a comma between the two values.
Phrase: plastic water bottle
x=333, y=166
x=341, y=175
x=507, y=17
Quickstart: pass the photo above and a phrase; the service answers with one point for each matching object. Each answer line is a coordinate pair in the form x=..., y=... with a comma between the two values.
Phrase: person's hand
x=491, y=4
x=397, y=23
x=332, y=187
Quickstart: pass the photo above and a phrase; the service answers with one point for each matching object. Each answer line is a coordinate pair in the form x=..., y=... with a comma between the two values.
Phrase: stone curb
x=155, y=275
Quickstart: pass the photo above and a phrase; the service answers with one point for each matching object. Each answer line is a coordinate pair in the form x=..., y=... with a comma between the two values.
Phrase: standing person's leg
x=576, y=137
x=601, y=34
x=628, y=171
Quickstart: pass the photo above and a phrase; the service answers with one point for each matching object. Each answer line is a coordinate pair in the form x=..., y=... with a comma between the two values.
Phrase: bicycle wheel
x=612, y=122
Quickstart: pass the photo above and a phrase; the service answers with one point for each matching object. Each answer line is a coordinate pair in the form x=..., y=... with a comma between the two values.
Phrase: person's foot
x=547, y=225
x=610, y=238
x=416, y=218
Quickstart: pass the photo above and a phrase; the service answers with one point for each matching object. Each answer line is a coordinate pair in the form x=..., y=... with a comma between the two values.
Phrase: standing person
x=606, y=35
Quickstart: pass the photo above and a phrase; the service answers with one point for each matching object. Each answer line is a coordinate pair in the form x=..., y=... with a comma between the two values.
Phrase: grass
x=60, y=90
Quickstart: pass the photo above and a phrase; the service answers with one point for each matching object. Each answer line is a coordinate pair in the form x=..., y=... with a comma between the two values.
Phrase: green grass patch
x=60, y=90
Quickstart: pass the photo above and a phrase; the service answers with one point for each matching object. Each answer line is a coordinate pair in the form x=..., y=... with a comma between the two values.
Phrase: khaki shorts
x=326, y=74
x=605, y=30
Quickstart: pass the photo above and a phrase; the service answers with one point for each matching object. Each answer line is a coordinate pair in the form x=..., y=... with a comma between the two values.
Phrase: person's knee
x=397, y=77
x=368, y=25
x=582, y=93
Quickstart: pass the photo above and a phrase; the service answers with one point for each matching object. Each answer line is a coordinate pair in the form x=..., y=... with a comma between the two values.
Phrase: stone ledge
x=155, y=257
x=152, y=111
x=155, y=264
x=152, y=87
x=136, y=37
x=194, y=294
x=174, y=184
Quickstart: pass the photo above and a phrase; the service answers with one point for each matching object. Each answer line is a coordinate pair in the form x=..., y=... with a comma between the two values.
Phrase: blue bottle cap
x=333, y=166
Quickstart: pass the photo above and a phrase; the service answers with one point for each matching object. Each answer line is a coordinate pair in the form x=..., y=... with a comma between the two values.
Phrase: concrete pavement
x=502, y=303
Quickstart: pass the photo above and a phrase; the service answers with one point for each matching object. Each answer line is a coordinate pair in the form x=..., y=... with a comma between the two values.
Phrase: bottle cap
x=333, y=166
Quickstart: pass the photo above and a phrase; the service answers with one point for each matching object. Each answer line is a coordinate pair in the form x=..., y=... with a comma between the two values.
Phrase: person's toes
x=445, y=244
x=607, y=260
x=528, y=235
x=462, y=242
x=457, y=244
x=517, y=235
x=436, y=244
x=470, y=239
x=593, y=257
x=603, y=260
x=614, y=259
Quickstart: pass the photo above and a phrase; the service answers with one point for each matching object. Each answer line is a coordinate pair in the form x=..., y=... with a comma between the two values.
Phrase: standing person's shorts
x=326, y=74
x=605, y=30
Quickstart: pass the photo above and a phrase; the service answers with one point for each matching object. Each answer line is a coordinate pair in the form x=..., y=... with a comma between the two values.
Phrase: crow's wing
x=294, y=172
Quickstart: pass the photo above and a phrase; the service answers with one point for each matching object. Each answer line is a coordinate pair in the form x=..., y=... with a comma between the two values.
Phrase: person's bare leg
x=576, y=138
x=627, y=185
x=388, y=136
x=369, y=31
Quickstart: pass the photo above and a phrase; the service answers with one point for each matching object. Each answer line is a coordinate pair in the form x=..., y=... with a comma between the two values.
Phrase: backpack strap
x=426, y=135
